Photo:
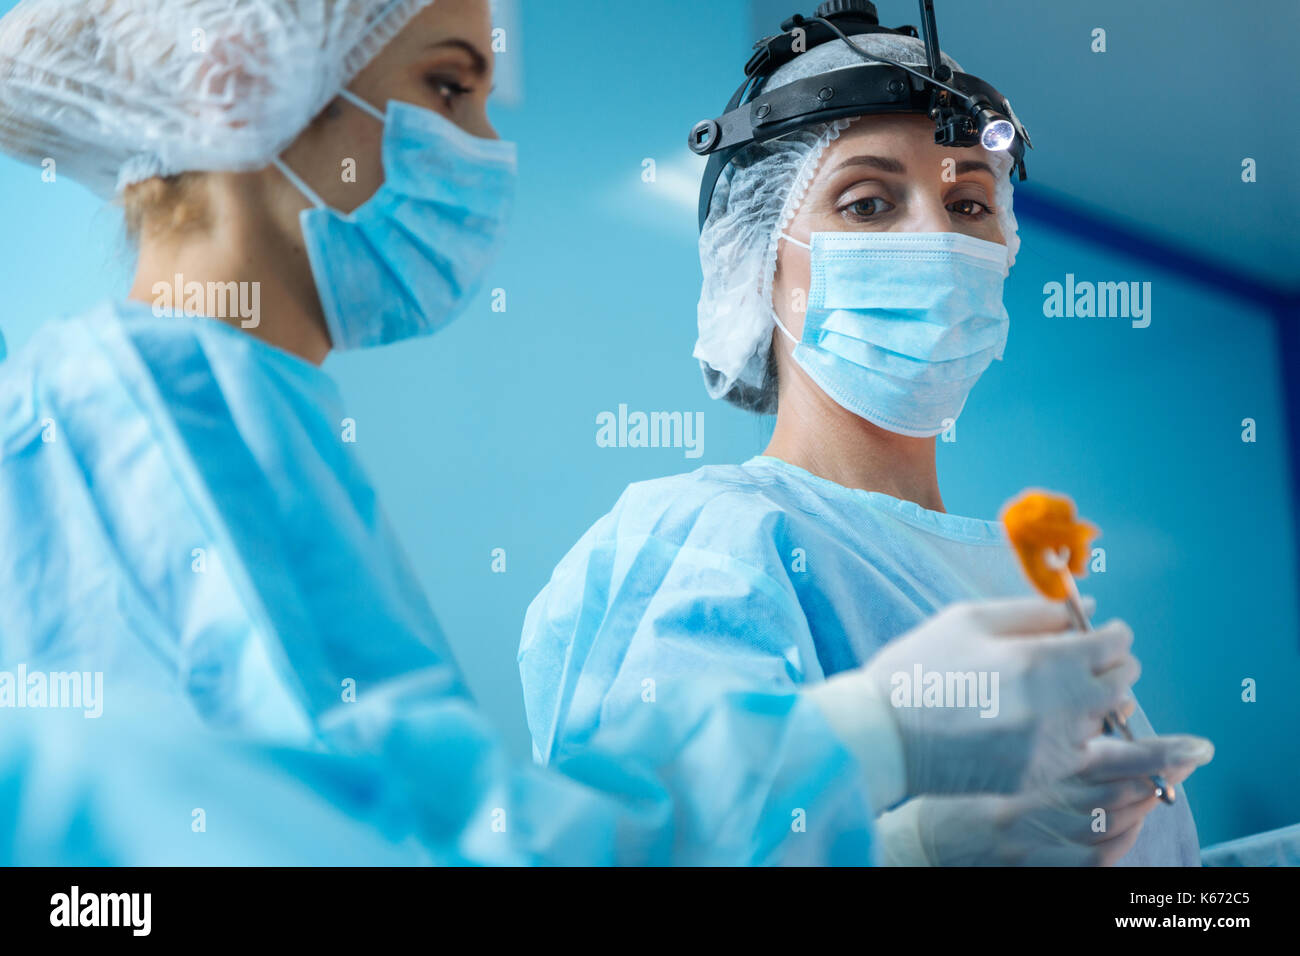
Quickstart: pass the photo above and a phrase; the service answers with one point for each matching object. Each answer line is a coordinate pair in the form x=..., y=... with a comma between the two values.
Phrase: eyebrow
x=480, y=62
x=974, y=166
x=882, y=163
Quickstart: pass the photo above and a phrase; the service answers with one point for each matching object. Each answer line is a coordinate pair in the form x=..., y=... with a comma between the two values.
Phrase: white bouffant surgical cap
x=118, y=91
x=757, y=196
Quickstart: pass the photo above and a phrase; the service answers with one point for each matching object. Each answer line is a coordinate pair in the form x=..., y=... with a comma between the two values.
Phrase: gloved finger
x=1011, y=617
x=1120, y=821
x=1059, y=756
x=1078, y=796
x=1129, y=706
x=1092, y=697
x=1111, y=758
x=1176, y=775
x=1112, y=851
x=1093, y=825
x=1125, y=793
x=1120, y=679
x=1102, y=648
x=1081, y=726
x=1105, y=847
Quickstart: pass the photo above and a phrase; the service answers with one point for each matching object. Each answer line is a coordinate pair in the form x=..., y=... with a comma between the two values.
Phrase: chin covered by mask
x=408, y=260
x=900, y=326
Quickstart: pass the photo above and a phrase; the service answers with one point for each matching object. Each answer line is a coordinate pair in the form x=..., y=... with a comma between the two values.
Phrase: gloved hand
x=1055, y=826
x=1046, y=695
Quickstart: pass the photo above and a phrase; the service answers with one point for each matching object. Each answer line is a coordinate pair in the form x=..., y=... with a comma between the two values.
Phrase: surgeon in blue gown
x=857, y=294
x=181, y=517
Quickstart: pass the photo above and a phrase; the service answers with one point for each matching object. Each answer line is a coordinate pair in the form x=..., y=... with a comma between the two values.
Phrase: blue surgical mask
x=900, y=326
x=408, y=260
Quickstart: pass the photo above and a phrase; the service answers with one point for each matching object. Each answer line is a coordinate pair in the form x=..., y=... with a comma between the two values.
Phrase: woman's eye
x=449, y=89
x=969, y=207
x=865, y=208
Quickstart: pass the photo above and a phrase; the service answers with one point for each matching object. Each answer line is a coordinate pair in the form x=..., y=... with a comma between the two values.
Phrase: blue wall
x=484, y=437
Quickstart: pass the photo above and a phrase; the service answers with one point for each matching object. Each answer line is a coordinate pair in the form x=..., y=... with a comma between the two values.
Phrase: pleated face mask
x=900, y=326
x=408, y=260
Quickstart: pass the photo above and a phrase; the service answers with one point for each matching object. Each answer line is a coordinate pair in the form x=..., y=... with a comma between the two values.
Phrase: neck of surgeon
x=236, y=239
x=816, y=434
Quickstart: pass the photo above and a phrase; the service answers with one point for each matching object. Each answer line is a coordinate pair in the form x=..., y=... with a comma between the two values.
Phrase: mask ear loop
x=298, y=183
x=362, y=105
x=297, y=180
x=776, y=318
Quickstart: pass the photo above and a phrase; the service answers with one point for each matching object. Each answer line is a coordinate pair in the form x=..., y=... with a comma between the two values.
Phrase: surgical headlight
x=966, y=110
x=996, y=133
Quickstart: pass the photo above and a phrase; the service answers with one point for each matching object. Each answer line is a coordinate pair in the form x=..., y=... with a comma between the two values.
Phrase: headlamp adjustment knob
x=704, y=137
x=861, y=9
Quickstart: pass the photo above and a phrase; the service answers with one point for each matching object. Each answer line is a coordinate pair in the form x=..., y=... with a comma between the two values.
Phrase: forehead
x=470, y=19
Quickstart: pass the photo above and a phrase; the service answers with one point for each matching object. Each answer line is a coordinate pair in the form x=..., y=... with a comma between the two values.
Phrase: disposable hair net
x=118, y=91
x=758, y=194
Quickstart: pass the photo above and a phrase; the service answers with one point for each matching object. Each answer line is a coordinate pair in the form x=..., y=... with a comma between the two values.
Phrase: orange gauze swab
x=1038, y=522
x=1053, y=546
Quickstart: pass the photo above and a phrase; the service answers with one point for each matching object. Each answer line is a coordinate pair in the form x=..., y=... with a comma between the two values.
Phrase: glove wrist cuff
x=860, y=716
x=899, y=835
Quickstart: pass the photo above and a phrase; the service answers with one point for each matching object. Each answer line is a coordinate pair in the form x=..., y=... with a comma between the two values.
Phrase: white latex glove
x=1056, y=826
x=1052, y=690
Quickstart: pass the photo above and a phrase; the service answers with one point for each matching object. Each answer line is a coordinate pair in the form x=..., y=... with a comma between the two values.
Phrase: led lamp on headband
x=966, y=110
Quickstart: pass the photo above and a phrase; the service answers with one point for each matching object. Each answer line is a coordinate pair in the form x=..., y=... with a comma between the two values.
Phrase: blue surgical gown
x=180, y=511
x=770, y=575
x=1270, y=848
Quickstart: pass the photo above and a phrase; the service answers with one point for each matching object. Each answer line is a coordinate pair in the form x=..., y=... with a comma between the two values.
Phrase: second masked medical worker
x=179, y=510
x=853, y=274
x=181, y=513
